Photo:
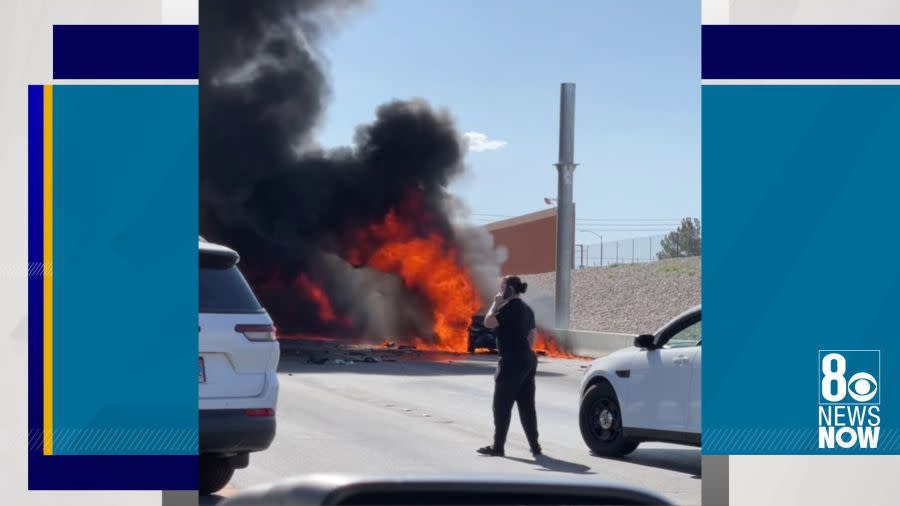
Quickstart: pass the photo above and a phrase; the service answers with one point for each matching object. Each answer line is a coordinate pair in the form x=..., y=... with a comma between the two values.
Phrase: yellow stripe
x=48, y=270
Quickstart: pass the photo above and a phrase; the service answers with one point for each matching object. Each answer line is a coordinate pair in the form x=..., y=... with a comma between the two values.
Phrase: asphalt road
x=427, y=413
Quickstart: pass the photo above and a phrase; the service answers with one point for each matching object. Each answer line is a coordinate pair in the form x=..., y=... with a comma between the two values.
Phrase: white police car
x=650, y=392
x=237, y=369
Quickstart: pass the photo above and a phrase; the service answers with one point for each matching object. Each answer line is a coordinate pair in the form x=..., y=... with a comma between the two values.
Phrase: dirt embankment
x=627, y=298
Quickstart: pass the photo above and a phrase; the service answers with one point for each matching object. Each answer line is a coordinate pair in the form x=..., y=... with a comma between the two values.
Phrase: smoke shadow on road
x=400, y=367
x=680, y=460
x=548, y=463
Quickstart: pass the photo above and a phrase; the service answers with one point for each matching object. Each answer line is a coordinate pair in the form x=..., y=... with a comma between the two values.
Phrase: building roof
x=522, y=219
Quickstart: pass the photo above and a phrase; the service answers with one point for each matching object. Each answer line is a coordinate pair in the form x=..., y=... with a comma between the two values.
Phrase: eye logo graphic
x=862, y=386
x=849, y=398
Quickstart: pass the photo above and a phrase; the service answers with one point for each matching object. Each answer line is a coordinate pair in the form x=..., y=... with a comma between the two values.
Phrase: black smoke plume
x=284, y=203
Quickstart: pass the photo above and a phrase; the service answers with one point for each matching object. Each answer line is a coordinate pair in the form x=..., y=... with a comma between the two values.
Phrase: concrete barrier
x=592, y=344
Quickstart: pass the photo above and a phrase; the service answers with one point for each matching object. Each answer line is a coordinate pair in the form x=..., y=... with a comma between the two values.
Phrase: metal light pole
x=565, y=215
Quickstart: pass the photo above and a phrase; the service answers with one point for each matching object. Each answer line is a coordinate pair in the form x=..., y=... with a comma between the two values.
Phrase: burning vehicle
x=481, y=336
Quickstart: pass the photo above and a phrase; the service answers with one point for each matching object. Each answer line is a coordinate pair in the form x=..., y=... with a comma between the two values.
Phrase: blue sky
x=497, y=66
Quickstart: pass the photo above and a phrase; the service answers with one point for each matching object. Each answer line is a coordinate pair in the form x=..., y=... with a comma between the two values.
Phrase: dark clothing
x=516, y=321
x=514, y=380
x=514, y=383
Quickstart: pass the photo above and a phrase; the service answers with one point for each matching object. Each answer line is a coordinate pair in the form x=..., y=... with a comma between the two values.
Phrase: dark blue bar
x=35, y=260
x=112, y=472
x=125, y=52
x=801, y=52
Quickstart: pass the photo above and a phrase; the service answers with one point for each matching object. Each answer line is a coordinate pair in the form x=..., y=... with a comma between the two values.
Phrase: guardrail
x=592, y=344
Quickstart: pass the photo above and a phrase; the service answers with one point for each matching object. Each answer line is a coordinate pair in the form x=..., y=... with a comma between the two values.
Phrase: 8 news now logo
x=849, y=398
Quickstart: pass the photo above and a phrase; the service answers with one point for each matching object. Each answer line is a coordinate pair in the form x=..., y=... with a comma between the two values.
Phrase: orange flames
x=316, y=295
x=407, y=243
x=546, y=344
x=428, y=267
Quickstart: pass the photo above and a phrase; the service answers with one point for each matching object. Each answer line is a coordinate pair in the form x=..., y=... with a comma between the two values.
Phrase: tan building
x=530, y=240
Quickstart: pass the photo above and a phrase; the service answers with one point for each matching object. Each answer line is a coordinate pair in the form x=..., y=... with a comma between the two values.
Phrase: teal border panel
x=800, y=207
x=125, y=270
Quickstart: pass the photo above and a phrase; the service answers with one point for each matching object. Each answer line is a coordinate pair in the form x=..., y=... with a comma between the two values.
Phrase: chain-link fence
x=632, y=251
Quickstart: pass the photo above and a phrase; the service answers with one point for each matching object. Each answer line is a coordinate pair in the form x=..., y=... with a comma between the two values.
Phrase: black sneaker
x=490, y=451
x=536, y=450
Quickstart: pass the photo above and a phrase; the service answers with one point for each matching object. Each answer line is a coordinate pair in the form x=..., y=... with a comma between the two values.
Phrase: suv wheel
x=215, y=473
x=601, y=422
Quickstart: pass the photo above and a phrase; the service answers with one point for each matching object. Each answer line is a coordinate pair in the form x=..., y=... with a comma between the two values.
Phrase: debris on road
x=334, y=353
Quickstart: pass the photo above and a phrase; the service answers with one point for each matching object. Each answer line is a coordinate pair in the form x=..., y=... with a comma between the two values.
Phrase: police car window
x=688, y=336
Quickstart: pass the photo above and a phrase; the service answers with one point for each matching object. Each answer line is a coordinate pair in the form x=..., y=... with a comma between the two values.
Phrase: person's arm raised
x=490, y=319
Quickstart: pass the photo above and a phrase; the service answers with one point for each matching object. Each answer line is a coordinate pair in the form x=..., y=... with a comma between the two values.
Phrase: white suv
x=238, y=360
x=647, y=393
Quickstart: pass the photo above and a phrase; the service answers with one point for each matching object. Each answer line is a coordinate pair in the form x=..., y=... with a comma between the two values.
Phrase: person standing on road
x=514, y=379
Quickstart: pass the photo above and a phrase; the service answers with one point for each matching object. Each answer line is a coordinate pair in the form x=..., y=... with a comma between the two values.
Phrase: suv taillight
x=256, y=332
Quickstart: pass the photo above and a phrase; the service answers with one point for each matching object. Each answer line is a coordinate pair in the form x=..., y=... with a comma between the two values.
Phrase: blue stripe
x=112, y=472
x=801, y=52
x=35, y=257
x=125, y=52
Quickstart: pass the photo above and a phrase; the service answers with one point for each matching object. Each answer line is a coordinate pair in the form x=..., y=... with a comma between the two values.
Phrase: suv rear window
x=223, y=289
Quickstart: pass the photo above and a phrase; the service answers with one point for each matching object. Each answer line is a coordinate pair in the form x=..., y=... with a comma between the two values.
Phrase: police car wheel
x=600, y=420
